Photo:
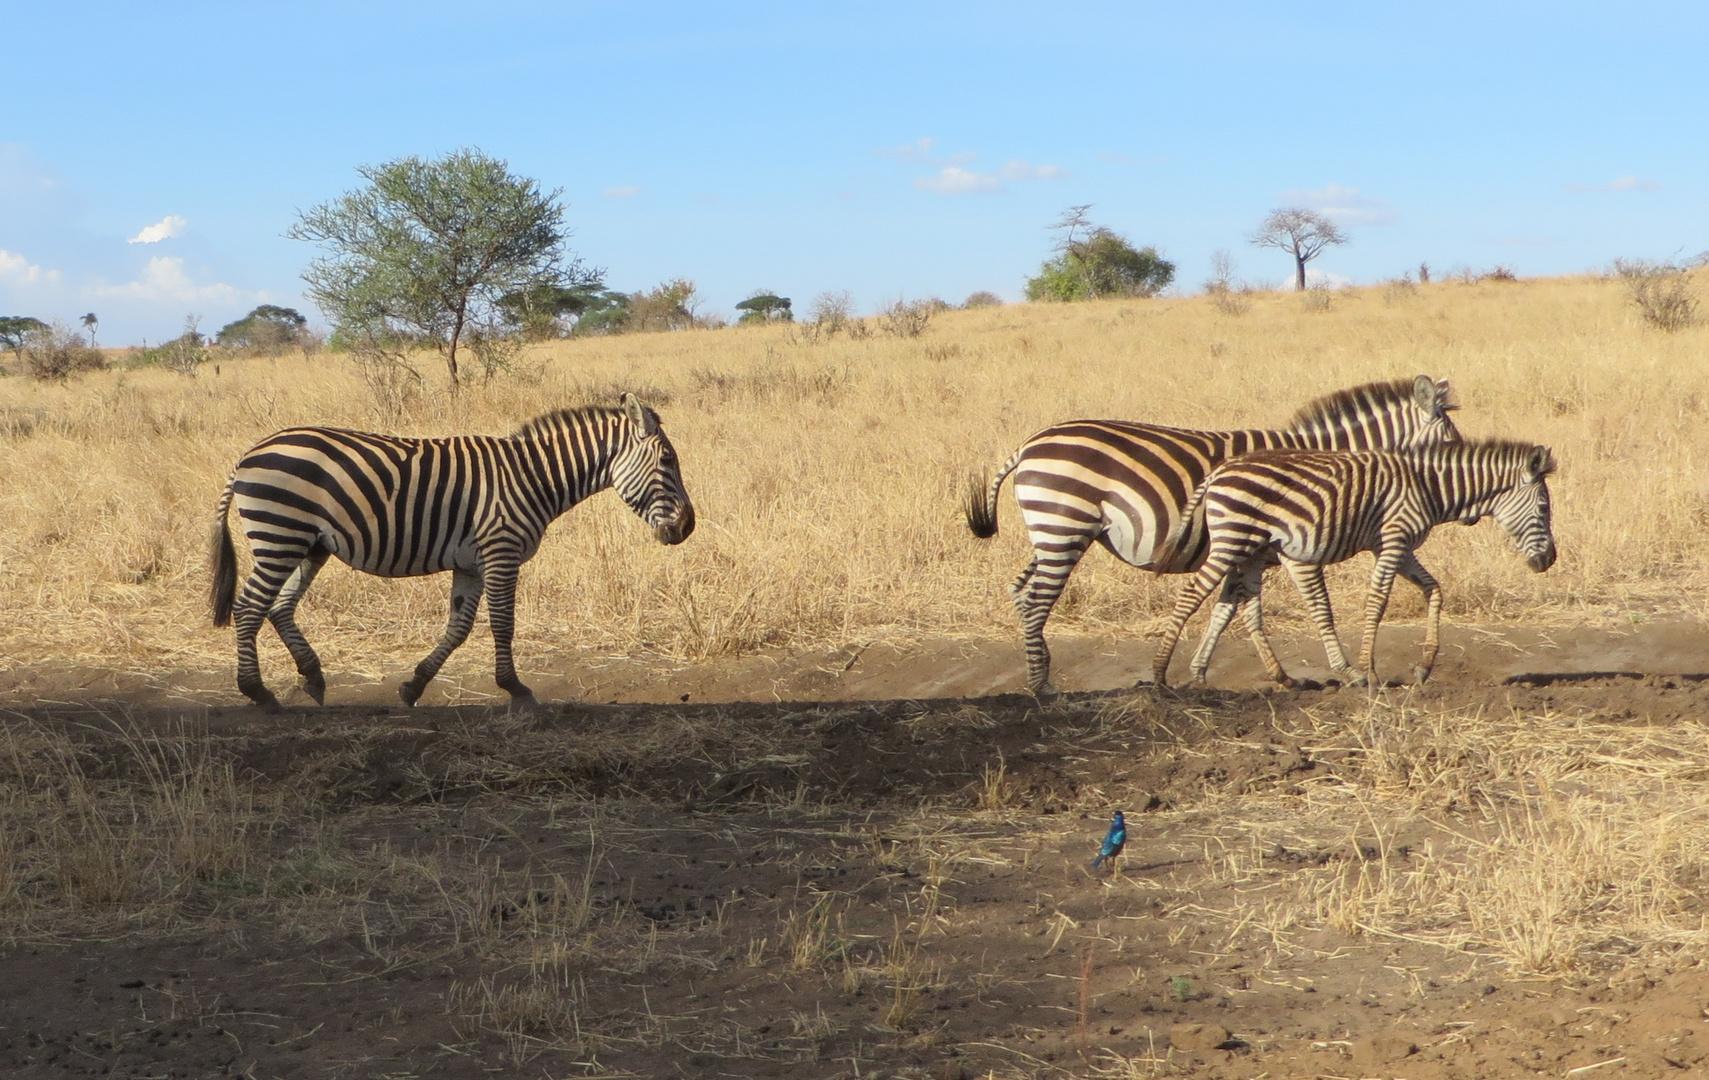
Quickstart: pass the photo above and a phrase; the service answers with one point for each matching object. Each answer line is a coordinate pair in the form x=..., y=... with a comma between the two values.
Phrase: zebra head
x=646, y=475
x=1403, y=414
x=1523, y=508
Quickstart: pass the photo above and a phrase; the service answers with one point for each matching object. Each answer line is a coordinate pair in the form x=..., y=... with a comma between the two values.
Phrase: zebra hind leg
x=465, y=599
x=1044, y=582
x=283, y=616
x=254, y=603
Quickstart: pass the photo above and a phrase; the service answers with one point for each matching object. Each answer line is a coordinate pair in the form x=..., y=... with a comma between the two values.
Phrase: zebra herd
x=1372, y=468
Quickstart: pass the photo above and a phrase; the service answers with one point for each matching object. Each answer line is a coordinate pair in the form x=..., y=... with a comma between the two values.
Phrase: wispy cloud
x=950, y=175
x=622, y=191
x=1020, y=170
x=169, y=226
x=955, y=180
x=1620, y=183
x=1343, y=205
x=16, y=270
x=919, y=152
x=164, y=279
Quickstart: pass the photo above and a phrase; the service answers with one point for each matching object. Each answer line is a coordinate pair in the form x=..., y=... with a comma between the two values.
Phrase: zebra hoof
x=1043, y=690
x=314, y=685
x=1287, y=682
x=411, y=692
x=1419, y=674
x=265, y=701
x=1355, y=677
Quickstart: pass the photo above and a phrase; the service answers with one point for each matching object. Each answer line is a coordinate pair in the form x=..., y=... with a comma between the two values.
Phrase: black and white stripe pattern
x=475, y=505
x=1316, y=509
x=1124, y=485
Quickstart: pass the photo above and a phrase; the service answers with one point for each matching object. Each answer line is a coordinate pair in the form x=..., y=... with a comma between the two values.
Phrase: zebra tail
x=980, y=503
x=224, y=558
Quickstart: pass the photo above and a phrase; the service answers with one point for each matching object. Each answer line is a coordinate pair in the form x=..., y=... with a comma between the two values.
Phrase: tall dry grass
x=826, y=474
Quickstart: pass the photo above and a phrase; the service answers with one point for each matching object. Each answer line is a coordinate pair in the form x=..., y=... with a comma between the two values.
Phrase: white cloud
x=16, y=270
x=1343, y=205
x=1621, y=183
x=954, y=180
x=622, y=191
x=164, y=279
x=168, y=226
x=1020, y=170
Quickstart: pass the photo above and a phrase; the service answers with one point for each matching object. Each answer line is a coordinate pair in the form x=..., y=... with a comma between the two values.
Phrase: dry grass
x=826, y=475
x=1549, y=843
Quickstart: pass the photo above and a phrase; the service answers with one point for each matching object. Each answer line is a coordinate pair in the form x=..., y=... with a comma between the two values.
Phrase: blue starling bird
x=1114, y=841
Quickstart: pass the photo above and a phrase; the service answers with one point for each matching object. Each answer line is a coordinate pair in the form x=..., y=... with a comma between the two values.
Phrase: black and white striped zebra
x=1315, y=509
x=1124, y=484
x=475, y=505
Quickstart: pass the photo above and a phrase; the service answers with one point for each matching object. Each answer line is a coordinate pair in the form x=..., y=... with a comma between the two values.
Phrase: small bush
x=982, y=299
x=907, y=318
x=1317, y=298
x=56, y=352
x=183, y=354
x=1660, y=291
x=1500, y=273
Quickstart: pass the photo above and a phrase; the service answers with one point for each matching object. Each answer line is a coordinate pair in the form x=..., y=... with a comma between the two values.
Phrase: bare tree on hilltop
x=1301, y=233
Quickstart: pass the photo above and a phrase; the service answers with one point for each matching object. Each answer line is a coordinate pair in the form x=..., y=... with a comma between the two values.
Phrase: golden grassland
x=827, y=474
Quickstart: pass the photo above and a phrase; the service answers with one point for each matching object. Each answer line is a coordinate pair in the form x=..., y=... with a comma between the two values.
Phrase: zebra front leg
x=1308, y=579
x=1389, y=558
x=1036, y=592
x=283, y=616
x=500, y=577
x=1413, y=570
x=465, y=599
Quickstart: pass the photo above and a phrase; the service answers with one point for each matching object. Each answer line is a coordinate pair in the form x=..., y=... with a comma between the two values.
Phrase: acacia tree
x=90, y=322
x=428, y=250
x=1094, y=261
x=1300, y=232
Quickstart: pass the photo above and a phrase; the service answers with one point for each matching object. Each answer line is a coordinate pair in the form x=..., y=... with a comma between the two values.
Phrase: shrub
x=183, y=354
x=56, y=352
x=1500, y=273
x=982, y=299
x=1101, y=262
x=907, y=318
x=1660, y=291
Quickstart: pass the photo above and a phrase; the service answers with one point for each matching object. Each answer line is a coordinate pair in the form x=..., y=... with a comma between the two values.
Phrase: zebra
x=1124, y=484
x=1314, y=509
x=475, y=505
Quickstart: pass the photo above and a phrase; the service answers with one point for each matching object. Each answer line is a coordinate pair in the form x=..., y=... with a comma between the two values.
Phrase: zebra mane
x=1508, y=452
x=1354, y=403
x=558, y=419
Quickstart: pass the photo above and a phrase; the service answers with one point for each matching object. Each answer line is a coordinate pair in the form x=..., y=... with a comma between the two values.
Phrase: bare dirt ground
x=864, y=864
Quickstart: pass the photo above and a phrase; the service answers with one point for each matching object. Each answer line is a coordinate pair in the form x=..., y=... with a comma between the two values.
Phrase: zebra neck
x=563, y=467
x=1458, y=485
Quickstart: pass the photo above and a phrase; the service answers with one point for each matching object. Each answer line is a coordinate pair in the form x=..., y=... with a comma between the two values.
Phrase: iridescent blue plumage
x=1114, y=841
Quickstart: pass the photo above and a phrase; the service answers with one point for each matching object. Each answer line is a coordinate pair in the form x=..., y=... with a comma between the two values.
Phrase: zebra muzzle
x=1542, y=560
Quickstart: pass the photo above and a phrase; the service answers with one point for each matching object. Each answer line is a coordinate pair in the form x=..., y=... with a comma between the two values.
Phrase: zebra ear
x=1431, y=396
x=1541, y=463
x=639, y=415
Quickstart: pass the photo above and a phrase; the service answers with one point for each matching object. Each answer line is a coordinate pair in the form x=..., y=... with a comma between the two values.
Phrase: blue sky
x=153, y=155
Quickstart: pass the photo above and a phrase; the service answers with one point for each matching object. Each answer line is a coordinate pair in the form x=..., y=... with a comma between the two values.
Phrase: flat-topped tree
x=428, y=250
